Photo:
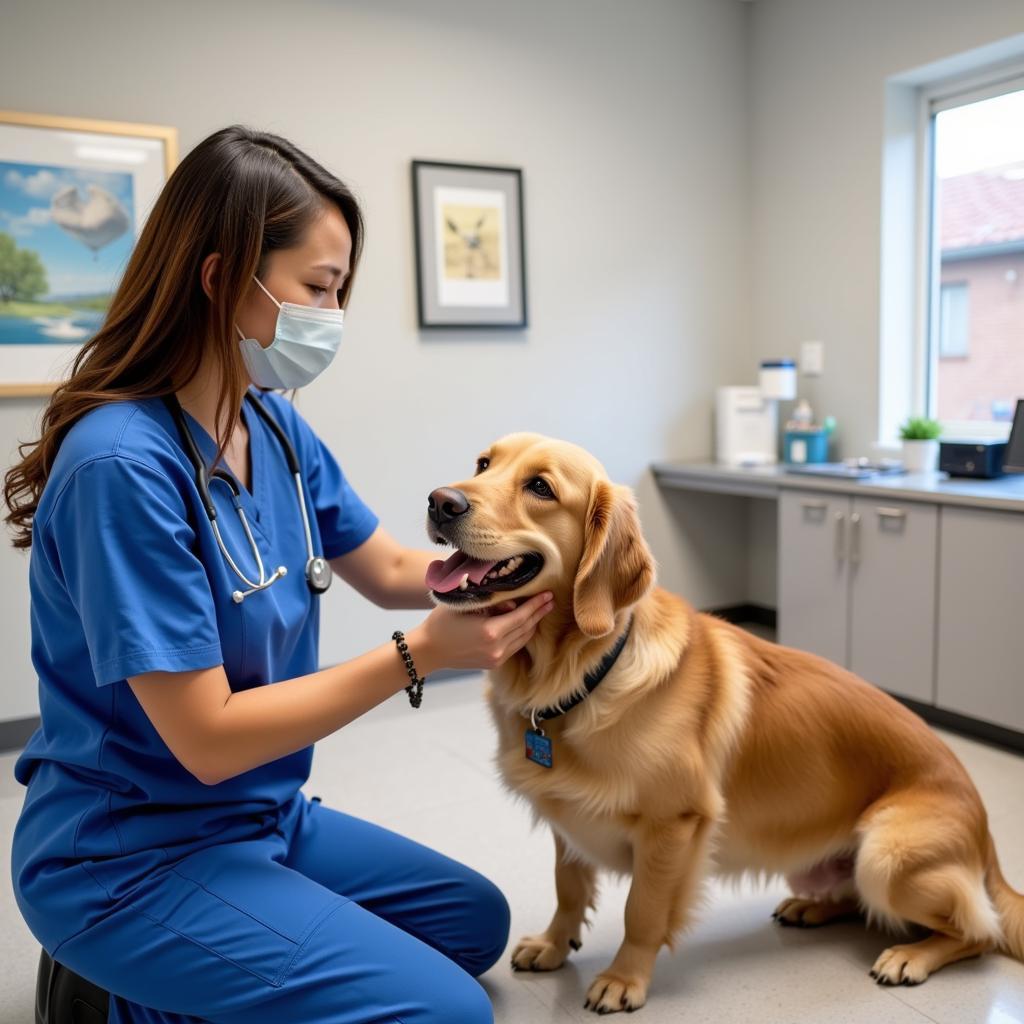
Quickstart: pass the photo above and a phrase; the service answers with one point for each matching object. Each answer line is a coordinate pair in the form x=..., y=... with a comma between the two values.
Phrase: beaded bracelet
x=415, y=688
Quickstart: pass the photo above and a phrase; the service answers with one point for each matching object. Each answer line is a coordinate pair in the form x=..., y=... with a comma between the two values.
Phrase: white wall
x=629, y=121
x=818, y=69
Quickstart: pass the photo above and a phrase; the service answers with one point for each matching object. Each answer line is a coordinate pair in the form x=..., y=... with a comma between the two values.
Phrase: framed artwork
x=74, y=195
x=470, y=259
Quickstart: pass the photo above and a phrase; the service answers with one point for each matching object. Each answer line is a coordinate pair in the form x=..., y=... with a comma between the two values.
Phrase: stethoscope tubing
x=318, y=575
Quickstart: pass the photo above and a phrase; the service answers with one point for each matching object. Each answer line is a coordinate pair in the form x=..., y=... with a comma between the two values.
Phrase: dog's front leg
x=668, y=865
x=576, y=889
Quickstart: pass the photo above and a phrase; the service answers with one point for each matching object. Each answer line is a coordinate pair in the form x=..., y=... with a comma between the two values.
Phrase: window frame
x=934, y=98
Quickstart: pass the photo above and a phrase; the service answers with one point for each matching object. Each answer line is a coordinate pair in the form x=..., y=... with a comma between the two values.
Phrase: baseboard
x=737, y=613
x=974, y=728
x=15, y=733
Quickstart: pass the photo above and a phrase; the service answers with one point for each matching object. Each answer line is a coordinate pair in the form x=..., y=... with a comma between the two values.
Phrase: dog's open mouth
x=461, y=576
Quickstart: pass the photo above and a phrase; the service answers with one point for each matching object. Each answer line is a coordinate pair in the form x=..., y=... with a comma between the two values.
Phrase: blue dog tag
x=538, y=748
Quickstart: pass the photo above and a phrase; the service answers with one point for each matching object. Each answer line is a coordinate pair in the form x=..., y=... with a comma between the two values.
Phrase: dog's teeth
x=464, y=582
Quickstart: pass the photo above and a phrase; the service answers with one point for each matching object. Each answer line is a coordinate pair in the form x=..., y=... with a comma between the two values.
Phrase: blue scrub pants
x=326, y=918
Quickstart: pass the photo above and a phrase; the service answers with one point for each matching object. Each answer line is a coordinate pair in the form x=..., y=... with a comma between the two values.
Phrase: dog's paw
x=800, y=913
x=900, y=965
x=541, y=953
x=611, y=992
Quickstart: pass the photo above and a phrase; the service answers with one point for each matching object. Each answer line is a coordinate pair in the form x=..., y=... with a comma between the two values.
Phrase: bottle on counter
x=805, y=441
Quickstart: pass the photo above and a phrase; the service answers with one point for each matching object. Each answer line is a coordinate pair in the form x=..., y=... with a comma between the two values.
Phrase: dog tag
x=538, y=748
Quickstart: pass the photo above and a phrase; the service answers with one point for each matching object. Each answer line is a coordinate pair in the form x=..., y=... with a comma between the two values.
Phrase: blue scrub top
x=126, y=577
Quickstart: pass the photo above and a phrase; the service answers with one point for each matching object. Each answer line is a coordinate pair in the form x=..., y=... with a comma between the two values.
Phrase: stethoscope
x=318, y=572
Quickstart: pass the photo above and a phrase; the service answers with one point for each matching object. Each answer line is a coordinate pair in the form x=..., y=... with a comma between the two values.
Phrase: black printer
x=981, y=458
x=986, y=458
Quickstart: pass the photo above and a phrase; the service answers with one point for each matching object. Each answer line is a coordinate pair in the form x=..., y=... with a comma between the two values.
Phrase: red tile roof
x=983, y=208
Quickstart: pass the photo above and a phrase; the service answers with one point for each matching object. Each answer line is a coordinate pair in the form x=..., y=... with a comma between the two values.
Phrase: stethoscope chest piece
x=318, y=573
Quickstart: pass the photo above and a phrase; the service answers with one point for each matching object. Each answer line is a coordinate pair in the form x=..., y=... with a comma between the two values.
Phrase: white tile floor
x=429, y=774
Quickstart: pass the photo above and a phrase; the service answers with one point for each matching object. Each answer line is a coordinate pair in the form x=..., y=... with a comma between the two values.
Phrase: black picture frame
x=491, y=187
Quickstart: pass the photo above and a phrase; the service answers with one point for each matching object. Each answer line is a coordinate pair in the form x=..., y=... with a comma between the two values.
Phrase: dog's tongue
x=445, y=576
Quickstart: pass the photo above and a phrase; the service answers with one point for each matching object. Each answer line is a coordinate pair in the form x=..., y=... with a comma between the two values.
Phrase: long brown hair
x=241, y=193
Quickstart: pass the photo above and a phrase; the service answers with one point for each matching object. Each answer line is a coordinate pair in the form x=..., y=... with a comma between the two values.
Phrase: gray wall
x=817, y=75
x=630, y=122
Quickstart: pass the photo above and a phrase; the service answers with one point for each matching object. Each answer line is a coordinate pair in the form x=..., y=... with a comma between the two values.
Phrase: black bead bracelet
x=415, y=688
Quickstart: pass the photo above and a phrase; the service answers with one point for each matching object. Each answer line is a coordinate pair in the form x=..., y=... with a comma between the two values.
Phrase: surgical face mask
x=306, y=339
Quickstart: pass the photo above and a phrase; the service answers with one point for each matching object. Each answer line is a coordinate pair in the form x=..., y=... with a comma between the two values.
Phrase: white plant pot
x=920, y=456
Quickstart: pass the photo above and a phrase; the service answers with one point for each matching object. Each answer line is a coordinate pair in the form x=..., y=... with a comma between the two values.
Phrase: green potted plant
x=920, y=444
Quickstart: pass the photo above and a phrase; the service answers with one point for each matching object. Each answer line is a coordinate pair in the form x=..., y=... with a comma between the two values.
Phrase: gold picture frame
x=48, y=156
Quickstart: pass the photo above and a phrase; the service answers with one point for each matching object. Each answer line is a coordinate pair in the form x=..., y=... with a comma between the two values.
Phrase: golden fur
x=709, y=750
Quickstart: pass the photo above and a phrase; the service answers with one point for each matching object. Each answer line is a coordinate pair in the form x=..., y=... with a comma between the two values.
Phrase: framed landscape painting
x=74, y=195
x=470, y=259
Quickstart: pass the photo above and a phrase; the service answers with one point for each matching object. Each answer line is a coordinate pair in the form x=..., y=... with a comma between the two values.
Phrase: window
x=975, y=337
x=954, y=332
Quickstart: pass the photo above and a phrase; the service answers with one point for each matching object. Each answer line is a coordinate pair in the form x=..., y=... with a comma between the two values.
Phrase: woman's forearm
x=265, y=723
x=408, y=586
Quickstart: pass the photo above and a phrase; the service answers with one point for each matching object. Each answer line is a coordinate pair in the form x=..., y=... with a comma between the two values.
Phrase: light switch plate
x=812, y=358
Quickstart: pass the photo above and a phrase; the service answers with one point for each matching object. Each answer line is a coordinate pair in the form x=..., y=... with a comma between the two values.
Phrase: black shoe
x=63, y=997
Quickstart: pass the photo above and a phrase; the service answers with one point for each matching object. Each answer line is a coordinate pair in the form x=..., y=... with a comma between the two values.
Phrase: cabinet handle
x=855, y=538
x=814, y=506
x=890, y=513
x=840, y=536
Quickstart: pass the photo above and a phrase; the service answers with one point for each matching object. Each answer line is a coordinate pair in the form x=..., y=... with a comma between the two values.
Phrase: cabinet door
x=892, y=565
x=812, y=572
x=981, y=636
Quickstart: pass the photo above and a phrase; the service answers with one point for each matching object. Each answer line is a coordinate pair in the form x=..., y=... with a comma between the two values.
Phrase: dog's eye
x=482, y=463
x=541, y=487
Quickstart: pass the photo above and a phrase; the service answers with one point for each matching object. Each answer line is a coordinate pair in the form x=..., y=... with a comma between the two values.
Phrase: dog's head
x=540, y=514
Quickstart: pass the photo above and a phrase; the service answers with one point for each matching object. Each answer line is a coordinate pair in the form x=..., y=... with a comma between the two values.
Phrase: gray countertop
x=1005, y=492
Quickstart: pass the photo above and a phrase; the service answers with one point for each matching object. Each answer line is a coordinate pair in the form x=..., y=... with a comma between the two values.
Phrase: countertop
x=1005, y=492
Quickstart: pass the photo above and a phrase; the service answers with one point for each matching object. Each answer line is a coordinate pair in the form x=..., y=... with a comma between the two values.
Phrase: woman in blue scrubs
x=165, y=850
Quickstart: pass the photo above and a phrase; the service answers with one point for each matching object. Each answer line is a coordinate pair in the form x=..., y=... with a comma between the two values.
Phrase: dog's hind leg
x=915, y=866
x=576, y=889
x=824, y=893
x=800, y=913
x=911, y=964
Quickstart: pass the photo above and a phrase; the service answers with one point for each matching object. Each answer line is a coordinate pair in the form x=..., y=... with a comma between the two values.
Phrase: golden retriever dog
x=704, y=749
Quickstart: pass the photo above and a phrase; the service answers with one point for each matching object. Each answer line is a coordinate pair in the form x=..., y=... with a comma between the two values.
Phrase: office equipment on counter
x=746, y=420
x=745, y=426
x=1013, y=457
x=777, y=379
x=980, y=458
x=746, y=417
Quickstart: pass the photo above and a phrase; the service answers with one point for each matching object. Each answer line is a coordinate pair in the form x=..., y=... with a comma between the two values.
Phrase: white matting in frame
x=74, y=196
x=456, y=287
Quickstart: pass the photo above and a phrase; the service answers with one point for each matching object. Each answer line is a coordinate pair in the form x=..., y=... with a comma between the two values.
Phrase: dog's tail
x=1009, y=903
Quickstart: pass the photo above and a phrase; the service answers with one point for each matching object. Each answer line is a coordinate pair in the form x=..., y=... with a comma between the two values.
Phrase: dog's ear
x=616, y=568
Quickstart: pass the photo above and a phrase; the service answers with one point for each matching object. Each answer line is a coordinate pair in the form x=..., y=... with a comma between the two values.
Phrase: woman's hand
x=480, y=640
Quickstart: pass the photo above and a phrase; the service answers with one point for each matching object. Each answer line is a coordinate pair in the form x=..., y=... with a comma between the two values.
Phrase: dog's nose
x=445, y=504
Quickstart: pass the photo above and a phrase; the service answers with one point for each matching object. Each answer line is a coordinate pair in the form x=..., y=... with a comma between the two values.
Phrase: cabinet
x=915, y=583
x=857, y=585
x=980, y=638
x=813, y=584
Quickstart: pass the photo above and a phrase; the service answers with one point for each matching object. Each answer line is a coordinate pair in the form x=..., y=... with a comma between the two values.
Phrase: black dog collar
x=590, y=681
